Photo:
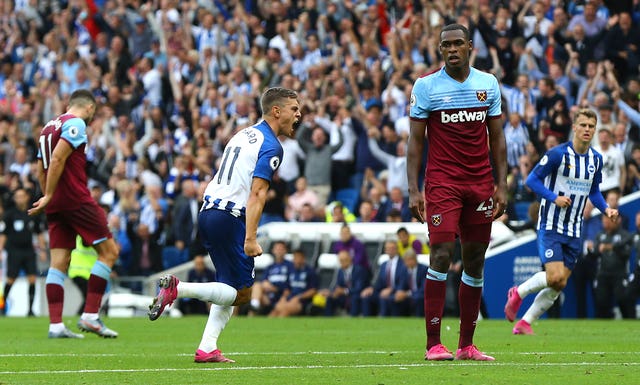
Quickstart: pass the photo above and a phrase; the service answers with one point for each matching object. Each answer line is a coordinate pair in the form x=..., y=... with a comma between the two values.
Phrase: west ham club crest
x=481, y=95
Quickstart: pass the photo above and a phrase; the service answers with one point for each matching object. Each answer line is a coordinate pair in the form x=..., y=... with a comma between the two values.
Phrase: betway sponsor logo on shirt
x=463, y=116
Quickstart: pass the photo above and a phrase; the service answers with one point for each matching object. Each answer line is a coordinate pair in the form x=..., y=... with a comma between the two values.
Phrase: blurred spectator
x=408, y=241
x=318, y=153
x=614, y=171
x=633, y=169
x=301, y=197
x=276, y=197
x=621, y=42
x=184, y=217
x=397, y=201
x=354, y=246
x=303, y=285
x=396, y=163
x=289, y=169
x=199, y=273
x=308, y=214
x=381, y=297
x=275, y=280
x=351, y=279
x=516, y=136
x=584, y=272
x=612, y=247
x=412, y=293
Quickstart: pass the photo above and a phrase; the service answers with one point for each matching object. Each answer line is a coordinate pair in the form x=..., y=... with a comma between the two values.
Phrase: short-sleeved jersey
x=72, y=190
x=567, y=173
x=456, y=114
x=301, y=280
x=19, y=229
x=253, y=152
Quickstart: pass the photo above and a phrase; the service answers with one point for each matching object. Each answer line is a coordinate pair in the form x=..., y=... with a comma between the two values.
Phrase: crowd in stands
x=175, y=79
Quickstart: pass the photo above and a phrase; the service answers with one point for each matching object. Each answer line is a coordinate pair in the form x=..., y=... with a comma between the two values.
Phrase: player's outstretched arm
x=255, y=205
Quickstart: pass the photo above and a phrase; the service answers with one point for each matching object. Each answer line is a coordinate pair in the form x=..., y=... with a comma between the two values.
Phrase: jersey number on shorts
x=236, y=152
x=483, y=206
x=45, y=150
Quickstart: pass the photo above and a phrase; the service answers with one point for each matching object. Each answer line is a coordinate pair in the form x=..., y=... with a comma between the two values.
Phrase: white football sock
x=56, y=328
x=89, y=316
x=533, y=285
x=216, y=292
x=218, y=318
x=542, y=303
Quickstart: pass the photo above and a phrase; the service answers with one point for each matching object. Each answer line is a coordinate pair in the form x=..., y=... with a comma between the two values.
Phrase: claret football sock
x=469, y=297
x=96, y=286
x=55, y=294
x=435, y=290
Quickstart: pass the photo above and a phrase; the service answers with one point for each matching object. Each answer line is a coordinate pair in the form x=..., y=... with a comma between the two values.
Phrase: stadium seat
x=522, y=210
x=423, y=259
x=328, y=266
x=171, y=257
x=373, y=248
x=328, y=261
x=382, y=259
x=349, y=198
x=263, y=261
x=310, y=248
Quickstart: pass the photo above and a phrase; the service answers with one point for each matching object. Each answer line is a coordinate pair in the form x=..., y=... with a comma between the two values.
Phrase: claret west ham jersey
x=71, y=191
x=252, y=152
x=456, y=114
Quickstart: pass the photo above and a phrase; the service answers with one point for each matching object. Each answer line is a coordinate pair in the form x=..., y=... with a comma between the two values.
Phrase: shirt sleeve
x=549, y=162
x=495, y=109
x=419, y=101
x=269, y=159
x=74, y=131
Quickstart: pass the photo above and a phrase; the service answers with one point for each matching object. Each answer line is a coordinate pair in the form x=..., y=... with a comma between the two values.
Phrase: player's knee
x=556, y=281
x=243, y=297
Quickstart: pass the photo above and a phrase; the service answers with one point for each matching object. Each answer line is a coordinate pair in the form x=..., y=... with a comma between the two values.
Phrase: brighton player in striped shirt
x=228, y=219
x=566, y=176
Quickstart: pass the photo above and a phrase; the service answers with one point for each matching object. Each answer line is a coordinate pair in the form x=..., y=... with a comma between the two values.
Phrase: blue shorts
x=223, y=235
x=554, y=247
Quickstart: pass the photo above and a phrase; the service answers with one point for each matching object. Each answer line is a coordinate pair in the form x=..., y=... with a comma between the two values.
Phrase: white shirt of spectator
x=612, y=160
x=289, y=169
x=152, y=82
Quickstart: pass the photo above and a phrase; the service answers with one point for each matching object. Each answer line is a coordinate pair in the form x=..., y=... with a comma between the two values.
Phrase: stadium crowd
x=175, y=79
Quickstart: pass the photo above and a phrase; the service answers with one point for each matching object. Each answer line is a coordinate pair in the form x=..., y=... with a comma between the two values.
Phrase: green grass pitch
x=320, y=351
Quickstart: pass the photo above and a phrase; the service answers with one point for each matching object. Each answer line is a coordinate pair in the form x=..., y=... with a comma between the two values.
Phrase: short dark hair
x=455, y=27
x=82, y=97
x=402, y=230
x=274, y=96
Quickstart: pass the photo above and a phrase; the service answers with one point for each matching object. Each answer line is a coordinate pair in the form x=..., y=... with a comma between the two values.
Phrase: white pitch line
x=9, y=355
x=314, y=367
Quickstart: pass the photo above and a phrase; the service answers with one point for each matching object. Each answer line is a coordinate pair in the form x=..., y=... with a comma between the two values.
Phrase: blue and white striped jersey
x=252, y=152
x=564, y=172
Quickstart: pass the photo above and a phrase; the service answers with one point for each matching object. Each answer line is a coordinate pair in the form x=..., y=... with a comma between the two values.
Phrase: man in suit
x=410, y=298
x=391, y=277
x=622, y=141
x=350, y=281
x=185, y=214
